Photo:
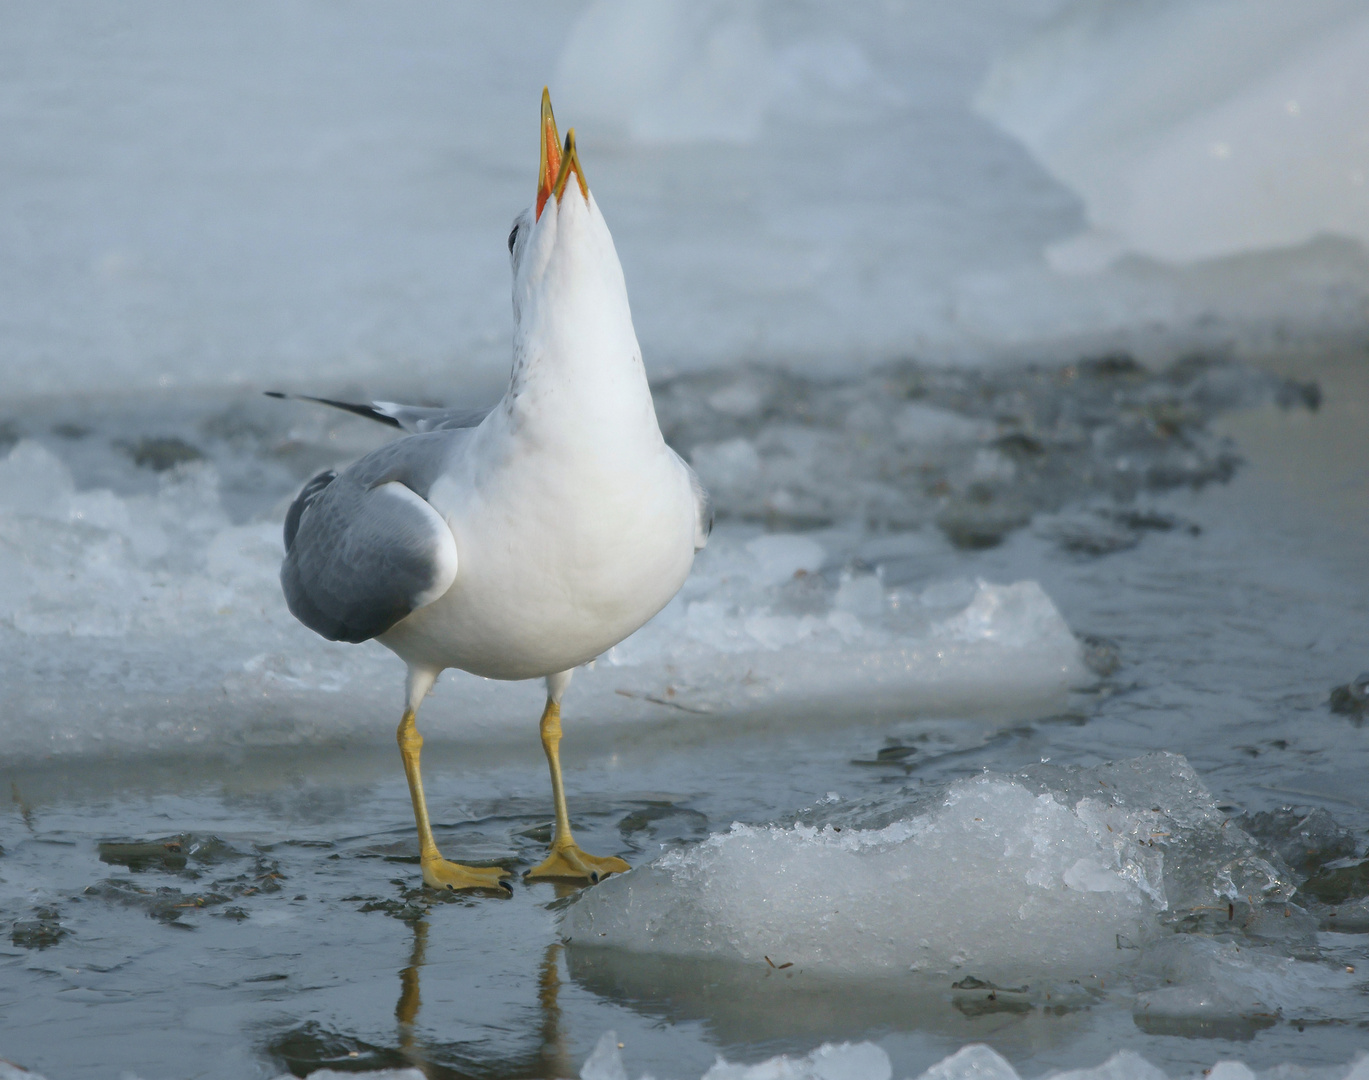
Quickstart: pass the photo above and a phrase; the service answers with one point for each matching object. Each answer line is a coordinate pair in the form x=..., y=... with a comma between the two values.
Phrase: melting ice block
x=995, y=879
x=1054, y=874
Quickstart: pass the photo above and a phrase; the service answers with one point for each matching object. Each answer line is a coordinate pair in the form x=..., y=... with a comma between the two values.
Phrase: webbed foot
x=438, y=873
x=569, y=863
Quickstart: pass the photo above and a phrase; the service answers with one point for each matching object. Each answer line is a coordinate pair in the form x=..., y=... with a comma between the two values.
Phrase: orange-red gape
x=556, y=164
x=550, y=167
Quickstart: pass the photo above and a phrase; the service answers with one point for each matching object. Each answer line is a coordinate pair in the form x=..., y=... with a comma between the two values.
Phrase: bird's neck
x=578, y=379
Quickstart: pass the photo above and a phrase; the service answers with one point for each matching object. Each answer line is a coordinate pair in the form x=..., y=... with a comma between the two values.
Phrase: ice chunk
x=995, y=879
x=1220, y=988
x=846, y=1061
x=184, y=637
x=1306, y=838
x=604, y=1061
x=973, y=1062
x=1198, y=860
x=1010, y=614
x=1230, y=1070
x=1123, y=1065
x=1194, y=131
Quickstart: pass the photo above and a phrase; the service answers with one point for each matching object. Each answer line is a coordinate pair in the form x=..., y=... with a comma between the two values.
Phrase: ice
x=604, y=1063
x=140, y=607
x=784, y=556
x=1123, y=1065
x=170, y=614
x=1306, y=838
x=867, y=1061
x=669, y=71
x=1193, y=131
x=1055, y=874
x=847, y=1061
x=995, y=880
x=974, y=1062
x=806, y=185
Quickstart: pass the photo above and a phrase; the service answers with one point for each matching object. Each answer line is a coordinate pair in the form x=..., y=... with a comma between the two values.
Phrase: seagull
x=518, y=542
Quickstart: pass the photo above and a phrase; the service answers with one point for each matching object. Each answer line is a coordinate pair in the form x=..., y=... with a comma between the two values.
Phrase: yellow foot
x=441, y=874
x=569, y=863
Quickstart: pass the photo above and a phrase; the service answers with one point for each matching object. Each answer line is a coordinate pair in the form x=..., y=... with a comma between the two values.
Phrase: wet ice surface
x=241, y=900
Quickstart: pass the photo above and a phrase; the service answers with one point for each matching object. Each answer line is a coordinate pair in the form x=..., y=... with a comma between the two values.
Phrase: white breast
x=561, y=557
x=574, y=522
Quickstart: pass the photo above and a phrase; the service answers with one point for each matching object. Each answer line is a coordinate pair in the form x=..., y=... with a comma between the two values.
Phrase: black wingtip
x=368, y=411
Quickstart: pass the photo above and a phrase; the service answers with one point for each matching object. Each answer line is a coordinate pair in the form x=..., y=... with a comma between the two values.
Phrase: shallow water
x=233, y=908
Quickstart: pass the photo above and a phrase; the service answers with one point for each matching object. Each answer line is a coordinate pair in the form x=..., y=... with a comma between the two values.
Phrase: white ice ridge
x=154, y=622
x=1053, y=874
x=1197, y=130
x=866, y=1061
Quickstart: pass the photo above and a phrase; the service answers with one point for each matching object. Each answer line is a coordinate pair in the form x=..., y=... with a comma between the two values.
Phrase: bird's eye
x=513, y=235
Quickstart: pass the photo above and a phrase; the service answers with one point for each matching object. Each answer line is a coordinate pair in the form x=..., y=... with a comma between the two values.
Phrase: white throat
x=576, y=361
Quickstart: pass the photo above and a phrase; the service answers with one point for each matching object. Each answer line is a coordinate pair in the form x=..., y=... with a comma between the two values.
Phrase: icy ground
x=997, y=712
x=141, y=610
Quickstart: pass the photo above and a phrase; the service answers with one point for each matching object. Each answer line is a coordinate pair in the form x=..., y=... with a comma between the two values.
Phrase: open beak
x=557, y=164
x=550, y=167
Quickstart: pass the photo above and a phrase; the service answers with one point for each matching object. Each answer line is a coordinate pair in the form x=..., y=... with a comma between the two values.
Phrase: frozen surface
x=140, y=607
x=933, y=580
x=316, y=195
x=168, y=603
x=1196, y=130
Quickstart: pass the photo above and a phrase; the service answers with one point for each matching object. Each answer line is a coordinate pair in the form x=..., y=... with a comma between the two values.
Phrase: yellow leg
x=566, y=861
x=437, y=871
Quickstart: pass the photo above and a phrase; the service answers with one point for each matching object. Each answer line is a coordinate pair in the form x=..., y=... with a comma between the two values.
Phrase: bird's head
x=568, y=289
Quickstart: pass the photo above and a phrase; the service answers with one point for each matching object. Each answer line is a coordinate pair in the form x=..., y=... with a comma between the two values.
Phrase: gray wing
x=703, y=506
x=416, y=419
x=421, y=418
x=364, y=548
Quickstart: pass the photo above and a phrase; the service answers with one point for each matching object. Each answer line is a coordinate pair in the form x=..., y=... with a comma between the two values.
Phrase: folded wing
x=364, y=549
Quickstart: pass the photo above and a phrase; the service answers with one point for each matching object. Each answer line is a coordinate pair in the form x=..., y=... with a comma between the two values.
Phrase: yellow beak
x=550, y=167
x=557, y=164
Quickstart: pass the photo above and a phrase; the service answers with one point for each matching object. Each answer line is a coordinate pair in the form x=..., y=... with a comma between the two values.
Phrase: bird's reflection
x=553, y=1055
x=410, y=999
